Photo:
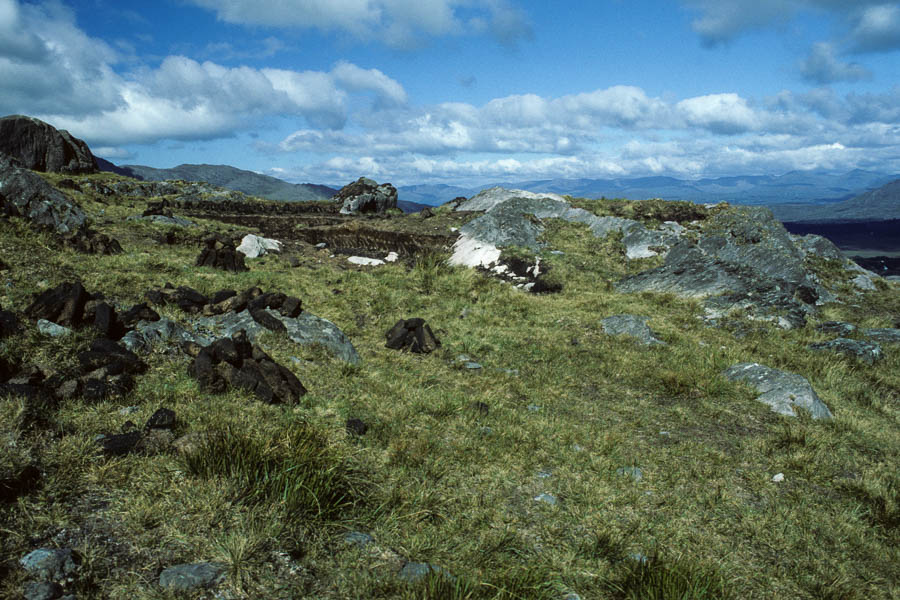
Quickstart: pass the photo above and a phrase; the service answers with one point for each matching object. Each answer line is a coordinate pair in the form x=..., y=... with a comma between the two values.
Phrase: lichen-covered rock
x=867, y=352
x=632, y=326
x=26, y=194
x=187, y=577
x=366, y=196
x=781, y=390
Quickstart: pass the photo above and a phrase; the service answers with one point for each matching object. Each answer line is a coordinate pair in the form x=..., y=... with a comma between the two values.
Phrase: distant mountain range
x=799, y=187
x=248, y=182
x=881, y=204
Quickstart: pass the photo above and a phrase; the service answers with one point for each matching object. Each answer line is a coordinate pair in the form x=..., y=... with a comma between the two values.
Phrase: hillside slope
x=882, y=204
x=248, y=182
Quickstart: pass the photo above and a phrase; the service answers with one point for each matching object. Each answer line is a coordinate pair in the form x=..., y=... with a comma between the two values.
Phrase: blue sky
x=464, y=91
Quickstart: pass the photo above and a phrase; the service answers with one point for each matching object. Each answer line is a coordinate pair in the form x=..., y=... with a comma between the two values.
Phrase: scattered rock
x=220, y=253
x=632, y=326
x=358, y=539
x=867, y=352
x=51, y=329
x=254, y=246
x=88, y=241
x=633, y=472
x=19, y=483
x=883, y=335
x=163, y=418
x=45, y=590
x=413, y=335
x=47, y=564
x=546, y=499
x=781, y=390
x=365, y=261
x=237, y=363
x=778, y=478
x=413, y=572
x=366, y=196
x=837, y=327
x=63, y=305
x=191, y=576
x=119, y=444
x=864, y=283
x=357, y=427
x=163, y=334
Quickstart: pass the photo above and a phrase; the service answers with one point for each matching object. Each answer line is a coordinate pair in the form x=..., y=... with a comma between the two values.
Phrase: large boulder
x=41, y=147
x=26, y=194
x=366, y=196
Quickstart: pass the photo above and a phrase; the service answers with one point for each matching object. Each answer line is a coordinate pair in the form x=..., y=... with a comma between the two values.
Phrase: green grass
x=271, y=490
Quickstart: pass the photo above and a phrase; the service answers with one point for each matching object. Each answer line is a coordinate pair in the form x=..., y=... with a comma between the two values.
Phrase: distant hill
x=794, y=187
x=882, y=204
x=232, y=178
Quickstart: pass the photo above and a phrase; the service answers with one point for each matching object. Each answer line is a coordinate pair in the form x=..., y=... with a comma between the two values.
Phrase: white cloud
x=720, y=113
x=822, y=67
x=722, y=20
x=398, y=23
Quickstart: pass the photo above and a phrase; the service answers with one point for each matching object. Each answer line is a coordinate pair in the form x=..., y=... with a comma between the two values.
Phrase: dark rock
x=163, y=418
x=481, y=408
x=41, y=147
x=63, y=305
x=191, y=576
x=107, y=322
x=104, y=353
x=293, y=261
x=357, y=427
x=413, y=335
x=268, y=321
x=427, y=213
x=87, y=241
x=883, y=335
x=291, y=307
x=19, y=483
x=867, y=352
x=366, y=196
x=237, y=363
x=119, y=444
x=45, y=590
x=9, y=323
x=95, y=389
x=30, y=392
x=26, y=194
x=220, y=253
x=51, y=565
x=138, y=312
x=222, y=296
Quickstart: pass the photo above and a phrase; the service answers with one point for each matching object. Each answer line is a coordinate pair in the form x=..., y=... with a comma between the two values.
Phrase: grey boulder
x=867, y=352
x=366, y=196
x=781, y=390
x=41, y=147
x=50, y=565
x=26, y=194
x=190, y=576
x=632, y=326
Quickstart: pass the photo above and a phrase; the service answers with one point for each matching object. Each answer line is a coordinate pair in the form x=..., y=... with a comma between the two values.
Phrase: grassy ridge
x=440, y=479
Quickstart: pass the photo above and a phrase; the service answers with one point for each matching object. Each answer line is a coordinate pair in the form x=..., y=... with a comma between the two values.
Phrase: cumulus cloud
x=721, y=20
x=822, y=67
x=398, y=23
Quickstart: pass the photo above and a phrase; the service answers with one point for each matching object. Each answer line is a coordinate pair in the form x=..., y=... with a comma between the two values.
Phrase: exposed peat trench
x=341, y=233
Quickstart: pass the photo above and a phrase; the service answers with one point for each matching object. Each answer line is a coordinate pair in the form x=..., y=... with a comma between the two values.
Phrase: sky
x=464, y=92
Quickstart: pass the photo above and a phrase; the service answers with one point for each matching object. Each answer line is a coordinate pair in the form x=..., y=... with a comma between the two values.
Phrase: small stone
x=51, y=329
x=129, y=410
x=639, y=557
x=357, y=427
x=50, y=565
x=163, y=418
x=778, y=478
x=46, y=590
x=414, y=571
x=534, y=408
x=664, y=433
x=191, y=576
x=358, y=538
x=473, y=366
x=545, y=474
x=546, y=498
x=321, y=245
x=634, y=472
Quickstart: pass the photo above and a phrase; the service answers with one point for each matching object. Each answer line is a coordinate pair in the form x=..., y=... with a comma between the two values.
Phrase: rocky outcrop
x=366, y=196
x=744, y=259
x=26, y=194
x=41, y=147
x=631, y=326
x=487, y=199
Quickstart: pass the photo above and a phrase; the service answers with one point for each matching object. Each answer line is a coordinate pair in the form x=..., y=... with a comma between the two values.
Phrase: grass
x=271, y=490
